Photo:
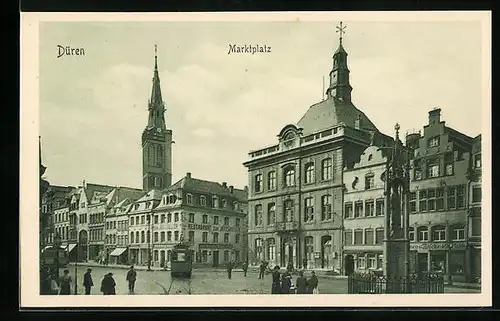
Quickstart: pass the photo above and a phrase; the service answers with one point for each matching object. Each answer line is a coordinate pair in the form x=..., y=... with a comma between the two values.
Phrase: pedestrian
x=289, y=267
x=286, y=283
x=65, y=283
x=108, y=285
x=262, y=268
x=304, y=263
x=301, y=283
x=131, y=277
x=276, y=285
x=312, y=284
x=54, y=287
x=87, y=281
x=245, y=268
x=230, y=266
x=45, y=280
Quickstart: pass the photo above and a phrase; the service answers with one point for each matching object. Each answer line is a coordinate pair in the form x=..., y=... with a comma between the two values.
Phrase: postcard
x=271, y=159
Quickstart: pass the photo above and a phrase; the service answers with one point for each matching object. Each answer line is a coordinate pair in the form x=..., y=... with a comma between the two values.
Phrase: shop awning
x=70, y=247
x=118, y=251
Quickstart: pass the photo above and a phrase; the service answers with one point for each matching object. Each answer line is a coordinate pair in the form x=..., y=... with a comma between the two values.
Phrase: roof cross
x=341, y=30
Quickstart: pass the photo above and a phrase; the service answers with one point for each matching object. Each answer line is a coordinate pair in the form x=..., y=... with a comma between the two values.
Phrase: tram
x=181, y=260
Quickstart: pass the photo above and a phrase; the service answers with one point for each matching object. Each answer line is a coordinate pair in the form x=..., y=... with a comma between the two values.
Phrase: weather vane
x=341, y=30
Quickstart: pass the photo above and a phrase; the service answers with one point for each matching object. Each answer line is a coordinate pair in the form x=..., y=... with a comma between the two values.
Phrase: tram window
x=181, y=257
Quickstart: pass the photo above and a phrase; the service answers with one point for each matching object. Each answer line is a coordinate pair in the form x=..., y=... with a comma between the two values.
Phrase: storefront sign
x=227, y=228
x=204, y=227
x=213, y=246
x=437, y=246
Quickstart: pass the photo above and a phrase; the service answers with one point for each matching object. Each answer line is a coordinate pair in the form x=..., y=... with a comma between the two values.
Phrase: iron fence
x=368, y=283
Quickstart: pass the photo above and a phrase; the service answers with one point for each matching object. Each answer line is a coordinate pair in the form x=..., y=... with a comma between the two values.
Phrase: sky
x=93, y=108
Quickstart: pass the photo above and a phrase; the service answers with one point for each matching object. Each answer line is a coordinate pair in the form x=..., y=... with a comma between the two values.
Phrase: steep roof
x=331, y=112
x=90, y=189
x=201, y=186
x=153, y=194
x=241, y=195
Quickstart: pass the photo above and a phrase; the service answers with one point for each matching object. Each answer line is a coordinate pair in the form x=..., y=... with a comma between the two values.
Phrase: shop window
x=457, y=262
x=438, y=261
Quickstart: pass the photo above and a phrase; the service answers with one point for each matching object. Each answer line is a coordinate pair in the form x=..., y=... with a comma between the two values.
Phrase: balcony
x=286, y=226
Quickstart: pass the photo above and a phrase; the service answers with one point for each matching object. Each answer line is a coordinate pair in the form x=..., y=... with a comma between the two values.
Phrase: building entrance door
x=215, y=258
x=349, y=264
x=326, y=249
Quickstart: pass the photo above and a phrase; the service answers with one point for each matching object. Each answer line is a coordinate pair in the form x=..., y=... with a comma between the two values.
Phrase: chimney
x=434, y=116
x=231, y=189
x=188, y=175
x=357, y=122
x=224, y=184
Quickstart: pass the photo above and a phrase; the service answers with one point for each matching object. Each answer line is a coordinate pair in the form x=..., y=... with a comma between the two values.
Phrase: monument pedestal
x=397, y=265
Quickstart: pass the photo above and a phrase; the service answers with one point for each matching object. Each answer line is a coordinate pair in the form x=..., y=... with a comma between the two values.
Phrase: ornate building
x=156, y=141
x=296, y=186
x=473, y=257
x=439, y=199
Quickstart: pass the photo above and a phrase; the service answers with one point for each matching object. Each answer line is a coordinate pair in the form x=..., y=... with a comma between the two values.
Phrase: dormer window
x=203, y=201
x=215, y=202
x=189, y=199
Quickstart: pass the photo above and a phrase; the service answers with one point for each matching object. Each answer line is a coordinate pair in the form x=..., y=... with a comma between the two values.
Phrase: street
x=202, y=282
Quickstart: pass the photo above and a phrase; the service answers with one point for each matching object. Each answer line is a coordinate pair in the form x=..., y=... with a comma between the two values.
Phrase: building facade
x=474, y=214
x=296, y=186
x=364, y=209
x=208, y=215
x=438, y=199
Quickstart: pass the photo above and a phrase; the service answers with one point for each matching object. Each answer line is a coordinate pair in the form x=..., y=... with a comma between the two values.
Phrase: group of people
x=282, y=283
x=49, y=284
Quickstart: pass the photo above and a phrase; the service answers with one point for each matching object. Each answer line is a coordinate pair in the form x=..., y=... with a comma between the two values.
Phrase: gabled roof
x=331, y=112
x=199, y=186
x=459, y=135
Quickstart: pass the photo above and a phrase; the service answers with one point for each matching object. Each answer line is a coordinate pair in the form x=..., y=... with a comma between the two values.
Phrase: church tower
x=156, y=141
x=340, y=87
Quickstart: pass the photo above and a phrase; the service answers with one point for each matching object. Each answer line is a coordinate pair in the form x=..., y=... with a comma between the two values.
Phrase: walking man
x=245, y=268
x=313, y=283
x=131, y=277
x=262, y=268
x=108, y=285
x=87, y=281
x=230, y=266
x=301, y=283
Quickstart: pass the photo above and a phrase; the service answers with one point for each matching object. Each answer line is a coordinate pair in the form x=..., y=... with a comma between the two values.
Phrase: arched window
x=143, y=238
x=438, y=233
x=423, y=234
x=271, y=213
x=309, y=173
x=288, y=213
x=289, y=176
x=148, y=236
x=159, y=155
x=271, y=180
x=258, y=214
x=326, y=169
x=259, y=249
x=137, y=237
x=271, y=249
x=309, y=246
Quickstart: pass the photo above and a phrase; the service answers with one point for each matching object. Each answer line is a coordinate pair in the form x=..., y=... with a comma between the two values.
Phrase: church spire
x=339, y=75
x=156, y=91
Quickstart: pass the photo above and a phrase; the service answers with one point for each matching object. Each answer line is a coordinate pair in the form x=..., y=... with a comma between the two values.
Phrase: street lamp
x=57, y=245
